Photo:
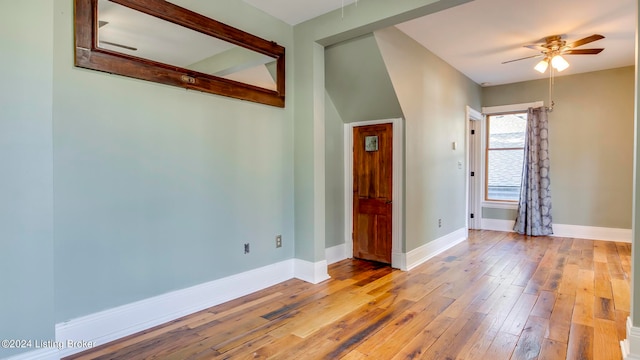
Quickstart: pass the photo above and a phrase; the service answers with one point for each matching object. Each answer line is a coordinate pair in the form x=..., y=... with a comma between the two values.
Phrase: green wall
x=26, y=186
x=334, y=175
x=635, y=254
x=499, y=214
x=590, y=140
x=155, y=189
x=158, y=188
x=433, y=96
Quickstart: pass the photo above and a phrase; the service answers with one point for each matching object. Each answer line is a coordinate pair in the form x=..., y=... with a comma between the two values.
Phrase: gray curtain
x=534, y=208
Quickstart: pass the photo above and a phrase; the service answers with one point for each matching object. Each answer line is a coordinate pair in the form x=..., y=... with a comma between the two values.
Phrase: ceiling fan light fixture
x=541, y=67
x=559, y=63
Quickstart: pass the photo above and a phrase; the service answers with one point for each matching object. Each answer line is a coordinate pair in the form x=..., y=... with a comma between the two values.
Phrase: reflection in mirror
x=156, y=40
x=134, y=33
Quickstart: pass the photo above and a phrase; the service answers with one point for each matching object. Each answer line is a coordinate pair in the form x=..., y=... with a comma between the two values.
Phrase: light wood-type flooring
x=495, y=296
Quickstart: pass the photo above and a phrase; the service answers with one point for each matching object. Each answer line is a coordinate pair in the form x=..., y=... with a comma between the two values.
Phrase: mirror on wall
x=159, y=41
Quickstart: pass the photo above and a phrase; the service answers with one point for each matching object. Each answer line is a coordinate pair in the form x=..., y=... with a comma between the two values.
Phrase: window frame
x=486, y=156
x=486, y=112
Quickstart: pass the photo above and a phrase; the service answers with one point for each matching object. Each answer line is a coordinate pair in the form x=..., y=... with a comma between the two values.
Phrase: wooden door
x=372, y=189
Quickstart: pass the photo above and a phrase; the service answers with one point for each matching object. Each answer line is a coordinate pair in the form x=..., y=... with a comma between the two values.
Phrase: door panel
x=372, y=192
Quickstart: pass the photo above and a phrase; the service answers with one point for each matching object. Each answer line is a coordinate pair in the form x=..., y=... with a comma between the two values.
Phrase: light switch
x=454, y=145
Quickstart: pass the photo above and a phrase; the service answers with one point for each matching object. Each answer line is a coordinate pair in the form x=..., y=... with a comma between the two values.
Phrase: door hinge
x=472, y=216
x=473, y=173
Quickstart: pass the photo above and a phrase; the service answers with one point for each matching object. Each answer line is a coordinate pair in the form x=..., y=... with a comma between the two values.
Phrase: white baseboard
x=336, y=253
x=592, y=233
x=42, y=354
x=631, y=345
x=427, y=251
x=105, y=326
x=399, y=261
x=497, y=225
x=310, y=272
x=564, y=230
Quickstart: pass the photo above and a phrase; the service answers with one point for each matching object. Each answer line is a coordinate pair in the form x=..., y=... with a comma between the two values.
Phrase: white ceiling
x=296, y=11
x=478, y=36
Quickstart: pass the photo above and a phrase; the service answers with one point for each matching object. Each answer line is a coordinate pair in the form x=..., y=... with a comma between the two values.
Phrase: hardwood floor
x=496, y=296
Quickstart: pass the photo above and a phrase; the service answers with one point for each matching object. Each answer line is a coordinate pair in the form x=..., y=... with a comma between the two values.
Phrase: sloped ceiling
x=358, y=83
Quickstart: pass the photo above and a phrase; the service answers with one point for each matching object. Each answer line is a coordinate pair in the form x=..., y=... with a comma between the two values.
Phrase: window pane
x=504, y=174
x=507, y=131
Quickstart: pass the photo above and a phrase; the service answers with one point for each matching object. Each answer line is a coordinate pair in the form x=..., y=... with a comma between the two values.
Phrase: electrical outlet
x=246, y=248
x=439, y=223
x=278, y=241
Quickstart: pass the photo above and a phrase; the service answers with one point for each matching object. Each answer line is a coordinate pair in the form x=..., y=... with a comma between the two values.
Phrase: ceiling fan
x=553, y=47
x=103, y=23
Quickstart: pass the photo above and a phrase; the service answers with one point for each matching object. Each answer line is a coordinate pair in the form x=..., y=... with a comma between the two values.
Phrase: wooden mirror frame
x=89, y=55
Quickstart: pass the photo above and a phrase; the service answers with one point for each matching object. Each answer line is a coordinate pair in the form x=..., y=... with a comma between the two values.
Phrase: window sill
x=500, y=205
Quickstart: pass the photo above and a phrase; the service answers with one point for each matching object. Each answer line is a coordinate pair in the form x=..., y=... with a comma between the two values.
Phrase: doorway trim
x=398, y=257
x=474, y=156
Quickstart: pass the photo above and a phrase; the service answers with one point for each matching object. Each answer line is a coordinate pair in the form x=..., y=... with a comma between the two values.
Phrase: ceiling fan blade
x=118, y=45
x=586, y=40
x=537, y=47
x=582, y=52
x=524, y=58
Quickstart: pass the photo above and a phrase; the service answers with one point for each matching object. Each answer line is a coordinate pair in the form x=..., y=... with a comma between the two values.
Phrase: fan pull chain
x=551, y=85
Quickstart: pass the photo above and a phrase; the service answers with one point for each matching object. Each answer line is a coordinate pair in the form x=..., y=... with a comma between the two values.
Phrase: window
x=505, y=156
